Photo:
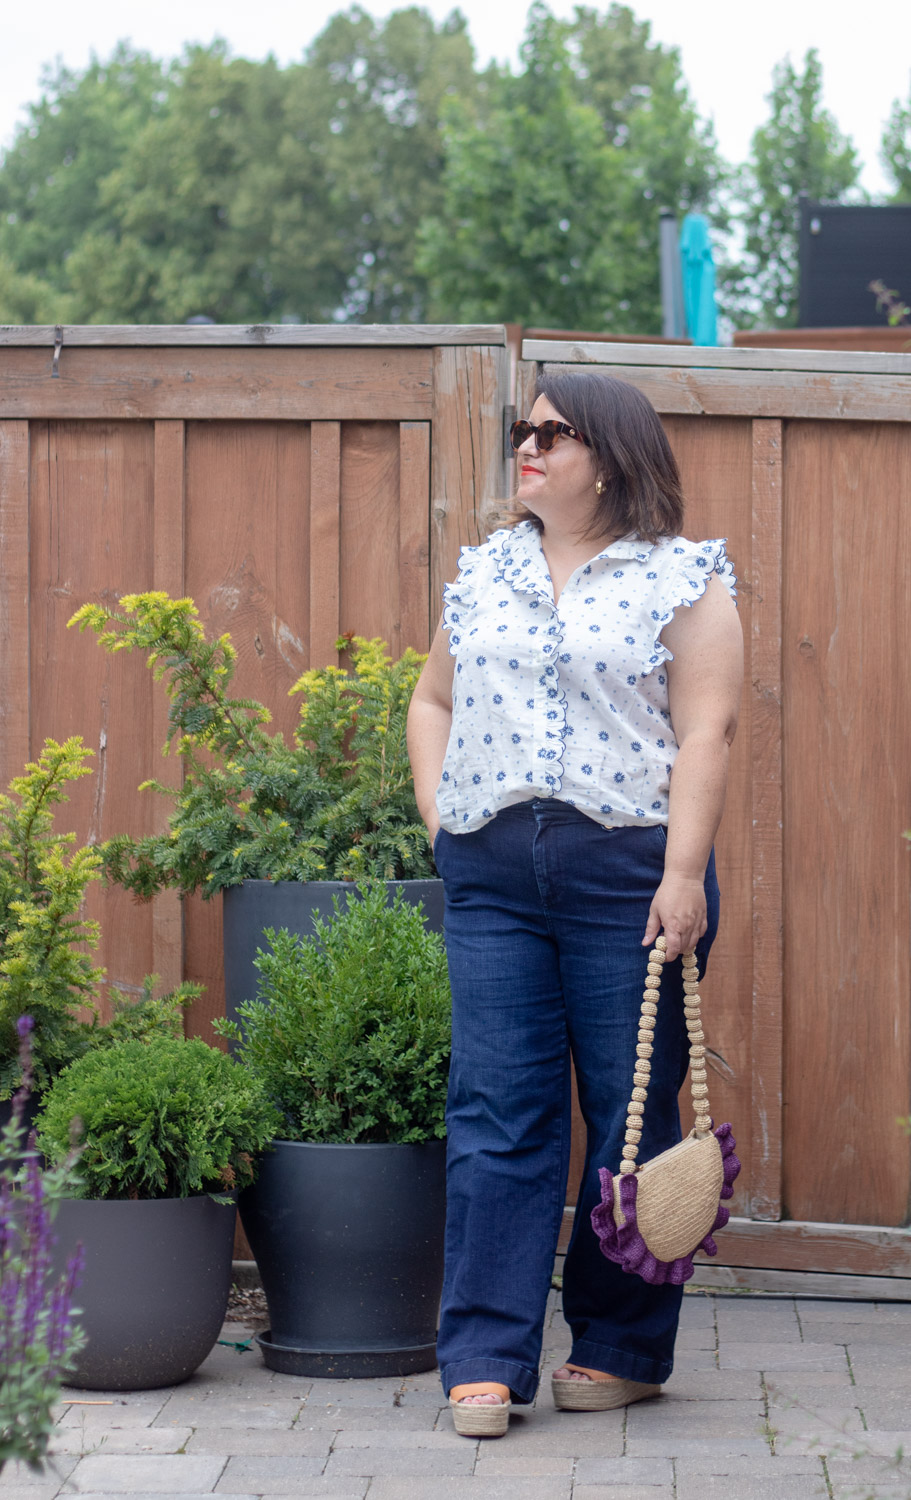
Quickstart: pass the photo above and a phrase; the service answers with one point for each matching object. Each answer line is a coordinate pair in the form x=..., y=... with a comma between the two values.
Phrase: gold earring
x=599, y=487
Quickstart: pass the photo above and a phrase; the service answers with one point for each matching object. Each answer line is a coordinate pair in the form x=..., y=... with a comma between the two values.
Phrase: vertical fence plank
x=414, y=535
x=766, y=757
x=325, y=534
x=468, y=474
x=14, y=599
x=168, y=571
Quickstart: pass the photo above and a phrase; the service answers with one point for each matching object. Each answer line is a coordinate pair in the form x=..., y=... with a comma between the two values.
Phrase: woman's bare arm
x=429, y=724
x=704, y=683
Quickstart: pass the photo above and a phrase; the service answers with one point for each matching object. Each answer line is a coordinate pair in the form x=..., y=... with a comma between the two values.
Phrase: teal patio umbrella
x=698, y=268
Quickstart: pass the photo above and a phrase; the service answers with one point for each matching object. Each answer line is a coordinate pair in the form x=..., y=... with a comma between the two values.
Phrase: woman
x=569, y=739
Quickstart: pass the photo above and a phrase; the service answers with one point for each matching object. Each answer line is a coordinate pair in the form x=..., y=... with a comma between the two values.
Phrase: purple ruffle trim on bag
x=626, y=1245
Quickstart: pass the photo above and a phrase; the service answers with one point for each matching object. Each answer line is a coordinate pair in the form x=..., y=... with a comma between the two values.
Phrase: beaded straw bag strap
x=653, y=1217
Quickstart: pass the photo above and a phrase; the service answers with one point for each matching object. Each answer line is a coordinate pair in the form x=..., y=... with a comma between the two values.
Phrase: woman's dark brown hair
x=630, y=454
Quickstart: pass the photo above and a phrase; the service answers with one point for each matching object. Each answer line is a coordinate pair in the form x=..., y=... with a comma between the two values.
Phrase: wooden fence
x=296, y=482
x=299, y=482
x=803, y=460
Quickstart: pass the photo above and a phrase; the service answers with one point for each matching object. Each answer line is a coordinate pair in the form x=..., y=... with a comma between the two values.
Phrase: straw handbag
x=653, y=1218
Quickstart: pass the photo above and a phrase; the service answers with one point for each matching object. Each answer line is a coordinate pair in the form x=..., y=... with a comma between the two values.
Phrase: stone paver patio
x=772, y=1398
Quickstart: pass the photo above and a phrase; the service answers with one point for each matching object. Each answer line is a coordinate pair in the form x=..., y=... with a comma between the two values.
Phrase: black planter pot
x=154, y=1290
x=257, y=904
x=349, y=1244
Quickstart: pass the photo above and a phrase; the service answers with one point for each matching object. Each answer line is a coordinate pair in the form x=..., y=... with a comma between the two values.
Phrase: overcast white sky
x=728, y=48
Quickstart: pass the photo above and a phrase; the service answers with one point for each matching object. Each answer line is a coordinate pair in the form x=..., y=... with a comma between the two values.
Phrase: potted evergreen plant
x=281, y=829
x=350, y=1041
x=168, y=1130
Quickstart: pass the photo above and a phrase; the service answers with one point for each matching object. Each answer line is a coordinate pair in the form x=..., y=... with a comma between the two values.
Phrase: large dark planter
x=154, y=1290
x=349, y=1244
x=257, y=904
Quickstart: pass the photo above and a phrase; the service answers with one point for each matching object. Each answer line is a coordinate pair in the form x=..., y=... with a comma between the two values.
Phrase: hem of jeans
x=523, y=1383
x=617, y=1362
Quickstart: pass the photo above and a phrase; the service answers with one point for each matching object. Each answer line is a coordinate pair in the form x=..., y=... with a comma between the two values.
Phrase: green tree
x=800, y=149
x=52, y=177
x=896, y=150
x=553, y=186
x=362, y=158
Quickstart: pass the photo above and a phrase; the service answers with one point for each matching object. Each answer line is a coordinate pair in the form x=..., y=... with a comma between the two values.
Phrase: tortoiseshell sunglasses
x=545, y=434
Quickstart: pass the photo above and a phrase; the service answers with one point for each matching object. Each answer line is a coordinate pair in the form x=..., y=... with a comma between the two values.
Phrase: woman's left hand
x=678, y=908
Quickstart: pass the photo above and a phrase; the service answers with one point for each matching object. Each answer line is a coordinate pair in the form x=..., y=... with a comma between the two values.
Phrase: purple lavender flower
x=38, y=1337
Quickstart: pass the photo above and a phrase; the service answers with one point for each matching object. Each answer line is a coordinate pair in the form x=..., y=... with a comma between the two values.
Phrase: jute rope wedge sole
x=599, y=1395
x=470, y=1420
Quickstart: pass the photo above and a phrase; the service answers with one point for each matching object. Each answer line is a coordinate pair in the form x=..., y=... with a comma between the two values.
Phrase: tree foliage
x=552, y=193
x=896, y=149
x=798, y=150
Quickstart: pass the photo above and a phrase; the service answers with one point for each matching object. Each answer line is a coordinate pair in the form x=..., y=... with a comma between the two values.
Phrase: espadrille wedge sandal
x=599, y=1395
x=472, y=1420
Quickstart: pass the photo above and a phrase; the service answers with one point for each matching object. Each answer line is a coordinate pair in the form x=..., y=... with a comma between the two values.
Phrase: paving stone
x=498, y=1459
x=869, y=1361
x=355, y=1392
x=685, y=1419
x=503, y=1488
x=404, y=1462
x=715, y=1385
x=151, y=1495
x=879, y=1334
x=123, y=1411
x=380, y=1437
x=823, y=1422
x=628, y=1472
x=783, y=1356
x=748, y=1325
x=162, y=1474
x=71, y=1440
x=265, y=1442
x=622, y=1492
x=228, y=1409
x=677, y=1447
x=784, y=1487
x=732, y=1467
x=394, y=1418
x=696, y=1338
x=888, y=1491
x=870, y=1470
x=695, y=1359
x=19, y=1480
x=883, y=1409
x=279, y=1474
x=697, y=1312
x=826, y=1385
x=831, y=1310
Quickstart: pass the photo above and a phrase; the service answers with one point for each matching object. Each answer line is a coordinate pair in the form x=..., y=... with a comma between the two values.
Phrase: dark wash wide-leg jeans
x=545, y=912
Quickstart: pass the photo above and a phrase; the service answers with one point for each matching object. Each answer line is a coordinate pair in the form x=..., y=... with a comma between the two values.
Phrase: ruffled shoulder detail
x=685, y=569
x=477, y=566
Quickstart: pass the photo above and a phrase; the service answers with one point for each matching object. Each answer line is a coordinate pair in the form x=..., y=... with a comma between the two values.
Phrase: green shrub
x=351, y=1034
x=160, y=1118
x=337, y=804
x=45, y=971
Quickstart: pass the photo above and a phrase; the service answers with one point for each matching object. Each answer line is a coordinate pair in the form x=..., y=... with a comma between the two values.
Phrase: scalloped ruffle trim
x=626, y=1246
x=689, y=585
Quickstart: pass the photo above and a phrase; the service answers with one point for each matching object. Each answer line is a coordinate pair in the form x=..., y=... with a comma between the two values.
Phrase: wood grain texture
x=197, y=383
x=882, y=340
x=802, y=1284
x=715, y=460
x=416, y=626
x=741, y=361
x=14, y=600
x=250, y=335
x=468, y=471
x=847, y=800
x=325, y=543
x=764, y=667
x=168, y=576
x=91, y=538
x=247, y=567
x=800, y=1245
x=756, y=393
